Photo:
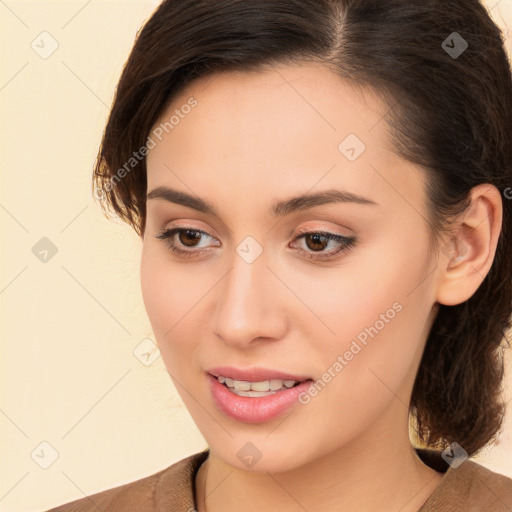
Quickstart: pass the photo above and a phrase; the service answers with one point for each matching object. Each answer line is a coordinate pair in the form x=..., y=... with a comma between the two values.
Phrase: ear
x=467, y=256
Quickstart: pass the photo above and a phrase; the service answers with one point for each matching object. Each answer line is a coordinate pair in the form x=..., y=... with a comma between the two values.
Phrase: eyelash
x=346, y=243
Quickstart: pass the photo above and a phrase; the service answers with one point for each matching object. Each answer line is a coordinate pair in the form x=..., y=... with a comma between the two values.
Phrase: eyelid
x=322, y=229
x=187, y=226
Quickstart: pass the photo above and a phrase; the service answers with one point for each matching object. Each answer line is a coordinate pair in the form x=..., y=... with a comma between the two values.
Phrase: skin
x=255, y=138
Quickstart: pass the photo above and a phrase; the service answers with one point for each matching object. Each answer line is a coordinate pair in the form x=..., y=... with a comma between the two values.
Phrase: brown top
x=468, y=488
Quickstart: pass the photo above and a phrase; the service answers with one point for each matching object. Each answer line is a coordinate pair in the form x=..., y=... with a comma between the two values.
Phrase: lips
x=254, y=406
x=255, y=374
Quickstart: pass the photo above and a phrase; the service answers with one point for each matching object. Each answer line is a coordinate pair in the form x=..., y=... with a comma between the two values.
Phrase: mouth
x=255, y=395
x=257, y=389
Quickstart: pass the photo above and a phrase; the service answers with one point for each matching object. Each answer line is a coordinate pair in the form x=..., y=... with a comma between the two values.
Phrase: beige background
x=70, y=325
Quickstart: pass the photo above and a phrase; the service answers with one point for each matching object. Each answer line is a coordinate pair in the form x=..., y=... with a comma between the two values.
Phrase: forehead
x=291, y=127
x=291, y=101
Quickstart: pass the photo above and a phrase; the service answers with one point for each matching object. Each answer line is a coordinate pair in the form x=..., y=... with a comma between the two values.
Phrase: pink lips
x=254, y=374
x=260, y=409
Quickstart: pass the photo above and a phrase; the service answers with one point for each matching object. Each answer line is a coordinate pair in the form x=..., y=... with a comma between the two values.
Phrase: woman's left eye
x=316, y=242
x=321, y=239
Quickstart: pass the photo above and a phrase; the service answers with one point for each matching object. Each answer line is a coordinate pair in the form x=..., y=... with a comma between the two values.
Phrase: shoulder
x=170, y=489
x=471, y=487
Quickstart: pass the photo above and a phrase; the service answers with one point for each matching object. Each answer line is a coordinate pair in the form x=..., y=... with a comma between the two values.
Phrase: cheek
x=168, y=292
x=164, y=297
x=378, y=314
x=154, y=284
x=172, y=300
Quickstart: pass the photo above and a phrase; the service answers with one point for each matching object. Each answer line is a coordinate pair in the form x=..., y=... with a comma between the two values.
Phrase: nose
x=250, y=304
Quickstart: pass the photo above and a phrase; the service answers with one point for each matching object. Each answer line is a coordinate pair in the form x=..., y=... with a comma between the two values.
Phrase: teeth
x=255, y=389
x=275, y=384
x=241, y=385
x=261, y=386
x=252, y=394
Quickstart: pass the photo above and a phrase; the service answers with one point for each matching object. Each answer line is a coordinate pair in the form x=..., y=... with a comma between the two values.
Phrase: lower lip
x=255, y=410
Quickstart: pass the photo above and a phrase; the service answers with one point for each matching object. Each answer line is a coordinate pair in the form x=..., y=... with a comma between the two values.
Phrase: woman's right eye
x=187, y=237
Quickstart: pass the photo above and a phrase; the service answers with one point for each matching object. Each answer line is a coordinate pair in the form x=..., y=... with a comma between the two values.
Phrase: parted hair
x=450, y=111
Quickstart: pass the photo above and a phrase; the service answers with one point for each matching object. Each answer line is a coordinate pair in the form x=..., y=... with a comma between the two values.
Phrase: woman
x=323, y=193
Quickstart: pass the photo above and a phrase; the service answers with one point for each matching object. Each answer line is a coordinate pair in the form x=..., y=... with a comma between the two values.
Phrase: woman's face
x=246, y=297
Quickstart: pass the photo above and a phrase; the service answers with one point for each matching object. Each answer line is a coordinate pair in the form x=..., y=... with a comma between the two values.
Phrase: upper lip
x=255, y=374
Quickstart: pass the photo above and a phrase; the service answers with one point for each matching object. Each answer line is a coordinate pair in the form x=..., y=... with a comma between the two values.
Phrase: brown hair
x=450, y=113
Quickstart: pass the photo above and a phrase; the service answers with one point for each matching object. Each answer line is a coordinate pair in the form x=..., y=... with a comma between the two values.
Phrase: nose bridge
x=246, y=306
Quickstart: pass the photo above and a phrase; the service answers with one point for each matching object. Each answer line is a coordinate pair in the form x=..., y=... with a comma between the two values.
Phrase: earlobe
x=467, y=256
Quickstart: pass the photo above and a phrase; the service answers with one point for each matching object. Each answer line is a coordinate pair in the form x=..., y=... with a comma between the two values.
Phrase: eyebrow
x=281, y=208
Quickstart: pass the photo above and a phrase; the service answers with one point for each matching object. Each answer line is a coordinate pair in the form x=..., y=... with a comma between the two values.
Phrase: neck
x=378, y=471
